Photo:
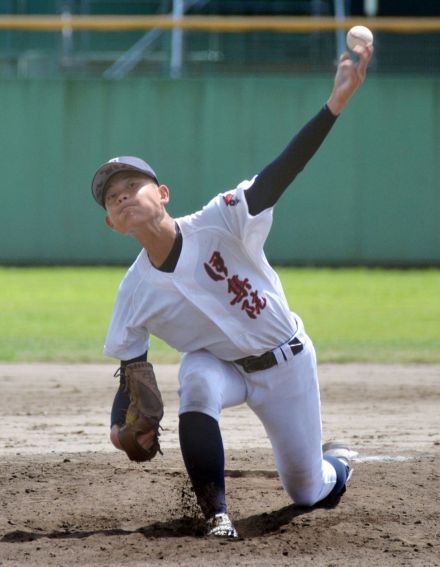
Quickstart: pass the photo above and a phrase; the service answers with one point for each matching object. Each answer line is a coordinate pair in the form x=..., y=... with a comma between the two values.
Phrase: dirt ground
x=68, y=499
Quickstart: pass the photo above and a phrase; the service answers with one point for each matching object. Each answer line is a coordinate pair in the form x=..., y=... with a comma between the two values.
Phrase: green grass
x=61, y=314
x=368, y=315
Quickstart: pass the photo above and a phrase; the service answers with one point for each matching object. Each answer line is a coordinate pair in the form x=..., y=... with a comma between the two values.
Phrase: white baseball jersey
x=223, y=296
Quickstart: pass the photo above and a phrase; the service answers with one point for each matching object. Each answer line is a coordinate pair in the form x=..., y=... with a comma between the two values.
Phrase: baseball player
x=202, y=284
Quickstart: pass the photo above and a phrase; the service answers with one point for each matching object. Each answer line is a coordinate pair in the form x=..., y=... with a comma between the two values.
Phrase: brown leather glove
x=144, y=412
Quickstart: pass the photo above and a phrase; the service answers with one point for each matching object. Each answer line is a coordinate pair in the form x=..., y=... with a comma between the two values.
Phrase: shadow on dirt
x=253, y=526
x=181, y=527
x=269, y=522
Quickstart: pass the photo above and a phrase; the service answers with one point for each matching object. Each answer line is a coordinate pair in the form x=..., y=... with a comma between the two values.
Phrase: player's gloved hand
x=349, y=77
x=139, y=435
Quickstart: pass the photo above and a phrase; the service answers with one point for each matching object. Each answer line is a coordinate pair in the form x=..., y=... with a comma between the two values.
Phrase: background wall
x=370, y=196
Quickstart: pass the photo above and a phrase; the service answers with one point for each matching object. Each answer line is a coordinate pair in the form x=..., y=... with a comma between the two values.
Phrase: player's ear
x=164, y=193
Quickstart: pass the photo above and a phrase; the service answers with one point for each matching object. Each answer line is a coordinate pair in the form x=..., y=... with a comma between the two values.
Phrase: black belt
x=268, y=359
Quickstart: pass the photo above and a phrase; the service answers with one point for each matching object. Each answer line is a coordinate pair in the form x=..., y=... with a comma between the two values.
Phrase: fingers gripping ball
x=359, y=35
x=143, y=414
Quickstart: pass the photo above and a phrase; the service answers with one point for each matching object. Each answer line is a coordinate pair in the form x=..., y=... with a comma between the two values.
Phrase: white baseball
x=359, y=35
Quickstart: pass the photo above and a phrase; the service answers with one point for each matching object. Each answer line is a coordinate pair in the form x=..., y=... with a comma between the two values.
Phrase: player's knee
x=304, y=492
x=305, y=499
x=307, y=492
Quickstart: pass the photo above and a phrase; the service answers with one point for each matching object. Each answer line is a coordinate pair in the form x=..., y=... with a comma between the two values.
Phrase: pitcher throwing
x=202, y=284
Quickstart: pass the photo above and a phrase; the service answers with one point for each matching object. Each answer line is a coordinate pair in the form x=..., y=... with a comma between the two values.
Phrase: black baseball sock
x=202, y=450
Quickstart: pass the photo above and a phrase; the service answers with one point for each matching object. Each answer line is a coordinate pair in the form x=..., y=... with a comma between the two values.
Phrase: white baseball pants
x=286, y=400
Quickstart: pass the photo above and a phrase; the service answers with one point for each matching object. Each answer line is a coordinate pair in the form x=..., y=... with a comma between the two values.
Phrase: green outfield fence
x=370, y=196
x=209, y=97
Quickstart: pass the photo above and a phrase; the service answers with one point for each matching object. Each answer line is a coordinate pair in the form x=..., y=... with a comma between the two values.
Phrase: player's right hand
x=349, y=77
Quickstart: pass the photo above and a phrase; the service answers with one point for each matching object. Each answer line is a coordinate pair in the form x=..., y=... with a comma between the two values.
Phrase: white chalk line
x=381, y=458
x=356, y=457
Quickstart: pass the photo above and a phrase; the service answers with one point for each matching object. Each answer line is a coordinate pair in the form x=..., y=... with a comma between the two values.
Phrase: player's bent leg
x=293, y=424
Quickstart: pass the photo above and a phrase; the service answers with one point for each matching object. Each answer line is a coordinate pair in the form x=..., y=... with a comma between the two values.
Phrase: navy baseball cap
x=115, y=165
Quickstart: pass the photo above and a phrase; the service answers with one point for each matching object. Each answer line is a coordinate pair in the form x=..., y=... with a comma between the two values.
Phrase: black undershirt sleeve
x=273, y=180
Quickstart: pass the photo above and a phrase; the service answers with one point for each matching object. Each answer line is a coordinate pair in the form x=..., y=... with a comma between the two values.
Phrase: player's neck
x=158, y=243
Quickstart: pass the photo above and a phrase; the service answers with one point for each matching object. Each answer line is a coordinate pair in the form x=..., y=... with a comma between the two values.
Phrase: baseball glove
x=143, y=414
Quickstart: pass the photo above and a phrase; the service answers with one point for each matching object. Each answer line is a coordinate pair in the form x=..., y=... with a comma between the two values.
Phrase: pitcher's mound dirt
x=68, y=499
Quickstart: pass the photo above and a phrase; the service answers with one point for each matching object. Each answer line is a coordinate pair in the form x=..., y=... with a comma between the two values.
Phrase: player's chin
x=123, y=225
x=130, y=220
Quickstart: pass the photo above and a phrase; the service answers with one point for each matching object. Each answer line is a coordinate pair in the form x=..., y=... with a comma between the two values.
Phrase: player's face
x=133, y=202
